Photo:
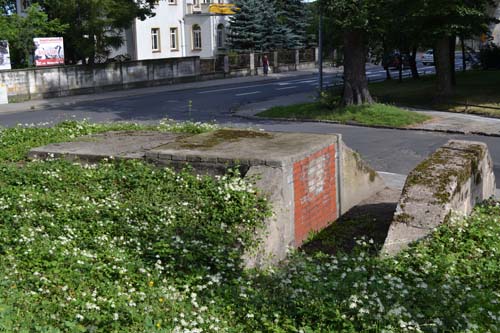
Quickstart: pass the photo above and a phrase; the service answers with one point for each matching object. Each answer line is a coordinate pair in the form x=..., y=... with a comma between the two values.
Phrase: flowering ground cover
x=126, y=247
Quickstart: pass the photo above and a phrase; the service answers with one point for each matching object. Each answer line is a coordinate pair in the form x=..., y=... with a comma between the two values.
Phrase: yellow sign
x=222, y=9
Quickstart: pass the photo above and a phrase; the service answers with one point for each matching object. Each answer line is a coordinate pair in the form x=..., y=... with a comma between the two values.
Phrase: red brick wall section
x=314, y=181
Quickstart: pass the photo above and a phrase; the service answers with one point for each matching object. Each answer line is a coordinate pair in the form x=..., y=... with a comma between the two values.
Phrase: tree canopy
x=95, y=26
x=20, y=31
x=263, y=25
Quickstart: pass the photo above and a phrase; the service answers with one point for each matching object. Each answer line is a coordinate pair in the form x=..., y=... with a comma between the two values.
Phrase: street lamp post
x=320, y=48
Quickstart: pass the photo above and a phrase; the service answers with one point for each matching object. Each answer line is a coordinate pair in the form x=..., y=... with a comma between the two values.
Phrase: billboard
x=49, y=51
x=4, y=55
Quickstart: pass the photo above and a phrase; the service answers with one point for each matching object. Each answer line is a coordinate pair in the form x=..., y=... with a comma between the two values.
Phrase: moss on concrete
x=363, y=167
x=212, y=139
x=433, y=173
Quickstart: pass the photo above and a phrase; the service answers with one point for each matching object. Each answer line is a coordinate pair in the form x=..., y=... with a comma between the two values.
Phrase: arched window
x=196, y=37
x=220, y=36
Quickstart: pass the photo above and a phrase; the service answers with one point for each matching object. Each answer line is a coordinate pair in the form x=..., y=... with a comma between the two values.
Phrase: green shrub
x=125, y=247
x=490, y=56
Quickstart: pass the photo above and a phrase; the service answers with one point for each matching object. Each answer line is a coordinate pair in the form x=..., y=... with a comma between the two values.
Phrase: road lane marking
x=249, y=93
x=308, y=81
x=292, y=87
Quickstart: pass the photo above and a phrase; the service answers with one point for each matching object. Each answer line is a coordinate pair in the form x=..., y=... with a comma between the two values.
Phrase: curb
x=354, y=124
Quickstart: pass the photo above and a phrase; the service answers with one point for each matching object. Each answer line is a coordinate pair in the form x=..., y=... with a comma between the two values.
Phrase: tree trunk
x=443, y=67
x=413, y=64
x=355, y=83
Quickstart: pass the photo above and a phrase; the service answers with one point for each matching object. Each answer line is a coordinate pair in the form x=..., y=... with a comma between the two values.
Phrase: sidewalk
x=70, y=100
x=447, y=122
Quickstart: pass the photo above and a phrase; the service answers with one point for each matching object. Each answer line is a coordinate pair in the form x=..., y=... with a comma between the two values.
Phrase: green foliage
x=476, y=92
x=327, y=109
x=267, y=25
x=95, y=26
x=20, y=31
x=490, y=57
x=126, y=247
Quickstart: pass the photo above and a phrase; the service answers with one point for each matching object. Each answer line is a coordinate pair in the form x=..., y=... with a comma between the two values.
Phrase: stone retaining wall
x=453, y=179
x=36, y=83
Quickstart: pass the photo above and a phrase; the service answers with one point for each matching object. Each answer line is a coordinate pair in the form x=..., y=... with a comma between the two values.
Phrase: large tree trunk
x=355, y=83
x=443, y=67
x=413, y=64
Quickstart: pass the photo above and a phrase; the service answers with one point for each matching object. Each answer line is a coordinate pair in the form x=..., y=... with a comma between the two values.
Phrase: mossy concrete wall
x=453, y=179
x=359, y=180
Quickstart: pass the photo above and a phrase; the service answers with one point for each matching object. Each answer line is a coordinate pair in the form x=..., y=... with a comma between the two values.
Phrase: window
x=155, y=39
x=196, y=37
x=220, y=36
x=173, y=39
x=172, y=2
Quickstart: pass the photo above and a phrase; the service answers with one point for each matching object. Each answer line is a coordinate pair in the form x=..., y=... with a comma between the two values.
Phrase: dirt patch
x=370, y=219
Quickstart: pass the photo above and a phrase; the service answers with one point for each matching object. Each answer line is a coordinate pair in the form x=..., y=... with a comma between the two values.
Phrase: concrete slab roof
x=242, y=146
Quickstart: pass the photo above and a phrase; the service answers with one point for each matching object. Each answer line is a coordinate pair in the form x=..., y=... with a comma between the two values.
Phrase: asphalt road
x=393, y=151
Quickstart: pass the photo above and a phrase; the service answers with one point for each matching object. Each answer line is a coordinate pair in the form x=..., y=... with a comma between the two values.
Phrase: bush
x=490, y=57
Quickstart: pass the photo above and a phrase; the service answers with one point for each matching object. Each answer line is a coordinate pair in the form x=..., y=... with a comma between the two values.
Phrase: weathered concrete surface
x=36, y=83
x=359, y=180
x=453, y=179
x=276, y=237
x=122, y=144
x=302, y=175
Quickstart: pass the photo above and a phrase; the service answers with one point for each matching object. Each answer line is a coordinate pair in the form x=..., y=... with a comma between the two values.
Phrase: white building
x=180, y=28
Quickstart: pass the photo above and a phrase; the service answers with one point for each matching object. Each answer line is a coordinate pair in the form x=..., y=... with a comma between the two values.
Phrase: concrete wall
x=453, y=179
x=300, y=174
x=358, y=180
x=70, y=80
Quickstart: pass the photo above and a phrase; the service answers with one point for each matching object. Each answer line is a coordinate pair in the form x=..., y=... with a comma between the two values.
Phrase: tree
x=95, y=26
x=357, y=19
x=243, y=26
x=292, y=19
x=444, y=21
x=20, y=31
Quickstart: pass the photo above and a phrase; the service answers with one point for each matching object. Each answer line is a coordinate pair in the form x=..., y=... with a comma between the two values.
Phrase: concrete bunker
x=309, y=179
x=455, y=178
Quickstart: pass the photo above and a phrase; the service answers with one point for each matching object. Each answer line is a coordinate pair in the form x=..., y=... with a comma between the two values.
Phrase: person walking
x=265, y=65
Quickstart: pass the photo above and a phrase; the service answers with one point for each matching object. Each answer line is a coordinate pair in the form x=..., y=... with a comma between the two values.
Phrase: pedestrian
x=265, y=64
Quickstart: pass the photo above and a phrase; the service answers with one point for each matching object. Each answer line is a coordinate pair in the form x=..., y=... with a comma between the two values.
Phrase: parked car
x=394, y=59
x=428, y=58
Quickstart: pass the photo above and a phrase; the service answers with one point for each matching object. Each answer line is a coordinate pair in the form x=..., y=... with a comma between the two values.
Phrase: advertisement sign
x=4, y=55
x=49, y=51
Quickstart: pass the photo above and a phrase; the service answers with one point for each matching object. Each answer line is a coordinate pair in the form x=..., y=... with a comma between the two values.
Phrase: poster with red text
x=49, y=51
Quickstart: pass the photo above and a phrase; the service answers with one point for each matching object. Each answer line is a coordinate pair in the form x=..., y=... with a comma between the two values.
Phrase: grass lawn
x=479, y=88
x=374, y=115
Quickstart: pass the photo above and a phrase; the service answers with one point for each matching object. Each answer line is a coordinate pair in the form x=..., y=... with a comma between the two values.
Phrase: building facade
x=180, y=28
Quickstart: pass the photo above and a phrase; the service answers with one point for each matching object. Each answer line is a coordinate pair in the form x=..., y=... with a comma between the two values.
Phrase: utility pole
x=320, y=47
